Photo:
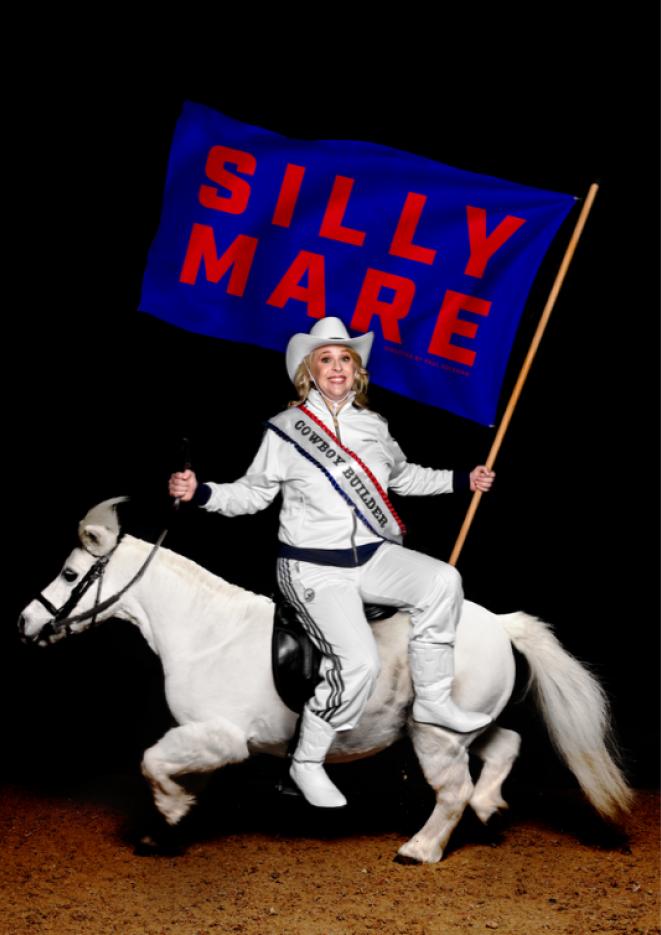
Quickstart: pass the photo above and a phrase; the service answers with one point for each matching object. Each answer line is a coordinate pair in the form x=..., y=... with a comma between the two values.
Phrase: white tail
x=576, y=713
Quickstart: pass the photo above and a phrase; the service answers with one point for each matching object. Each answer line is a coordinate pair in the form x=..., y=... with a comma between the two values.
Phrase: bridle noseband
x=61, y=619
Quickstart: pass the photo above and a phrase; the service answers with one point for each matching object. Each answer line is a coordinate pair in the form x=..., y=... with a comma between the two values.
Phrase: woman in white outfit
x=339, y=544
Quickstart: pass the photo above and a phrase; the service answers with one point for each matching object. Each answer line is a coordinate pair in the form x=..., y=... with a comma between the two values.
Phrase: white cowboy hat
x=325, y=331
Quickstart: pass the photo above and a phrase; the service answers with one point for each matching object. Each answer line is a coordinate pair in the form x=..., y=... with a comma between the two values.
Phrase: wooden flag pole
x=525, y=369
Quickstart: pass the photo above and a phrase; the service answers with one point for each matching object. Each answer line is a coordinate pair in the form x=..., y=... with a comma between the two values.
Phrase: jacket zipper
x=336, y=426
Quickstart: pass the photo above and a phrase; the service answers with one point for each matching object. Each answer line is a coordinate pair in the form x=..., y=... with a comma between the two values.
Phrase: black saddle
x=295, y=659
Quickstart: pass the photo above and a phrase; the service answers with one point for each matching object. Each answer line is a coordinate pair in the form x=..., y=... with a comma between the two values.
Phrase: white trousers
x=329, y=602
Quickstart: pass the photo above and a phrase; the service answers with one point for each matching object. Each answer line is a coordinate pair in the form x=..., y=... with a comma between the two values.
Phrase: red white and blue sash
x=343, y=469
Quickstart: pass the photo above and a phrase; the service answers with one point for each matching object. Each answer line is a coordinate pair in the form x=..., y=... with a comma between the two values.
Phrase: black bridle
x=62, y=619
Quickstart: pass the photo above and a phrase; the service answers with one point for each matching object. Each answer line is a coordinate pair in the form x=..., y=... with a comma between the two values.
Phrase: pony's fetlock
x=486, y=806
x=174, y=807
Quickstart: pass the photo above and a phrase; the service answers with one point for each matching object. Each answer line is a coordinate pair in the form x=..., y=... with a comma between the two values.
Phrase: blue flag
x=261, y=235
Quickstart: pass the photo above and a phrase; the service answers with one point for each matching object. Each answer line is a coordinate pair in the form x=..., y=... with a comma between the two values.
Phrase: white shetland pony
x=214, y=641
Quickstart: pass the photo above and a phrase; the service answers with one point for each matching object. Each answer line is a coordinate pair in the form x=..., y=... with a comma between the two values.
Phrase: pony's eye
x=69, y=574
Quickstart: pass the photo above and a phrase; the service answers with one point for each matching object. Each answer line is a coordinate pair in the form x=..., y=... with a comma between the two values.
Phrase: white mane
x=199, y=580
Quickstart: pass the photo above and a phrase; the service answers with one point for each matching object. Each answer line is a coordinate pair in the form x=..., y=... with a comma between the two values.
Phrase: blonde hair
x=303, y=381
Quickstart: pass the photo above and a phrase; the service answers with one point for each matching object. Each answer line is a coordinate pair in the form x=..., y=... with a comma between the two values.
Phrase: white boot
x=307, y=766
x=432, y=671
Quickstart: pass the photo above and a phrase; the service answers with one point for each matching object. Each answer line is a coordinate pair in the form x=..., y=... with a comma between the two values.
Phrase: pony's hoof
x=498, y=822
x=406, y=860
x=149, y=846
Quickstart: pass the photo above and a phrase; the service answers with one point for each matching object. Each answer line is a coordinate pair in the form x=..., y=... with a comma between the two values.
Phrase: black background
x=97, y=396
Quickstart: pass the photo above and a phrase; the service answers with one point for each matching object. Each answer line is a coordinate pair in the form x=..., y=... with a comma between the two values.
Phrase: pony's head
x=67, y=604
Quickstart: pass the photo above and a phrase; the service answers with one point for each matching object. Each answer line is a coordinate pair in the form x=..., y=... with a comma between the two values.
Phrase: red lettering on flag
x=239, y=189
x=289, y=287
x=482, y=248
x=449, y=323
x=390, y=313
x=331, y=224
x=402, y=241
x=202, y=249
x=291, y=186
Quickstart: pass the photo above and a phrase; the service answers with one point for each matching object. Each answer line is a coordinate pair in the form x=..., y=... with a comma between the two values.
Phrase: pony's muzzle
x=42, y=637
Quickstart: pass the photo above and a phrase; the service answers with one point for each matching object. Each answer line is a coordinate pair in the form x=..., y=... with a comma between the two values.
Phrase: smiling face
x=333, y=370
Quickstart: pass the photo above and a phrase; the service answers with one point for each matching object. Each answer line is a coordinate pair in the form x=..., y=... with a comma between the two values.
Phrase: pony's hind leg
x=443, y=757
x=192, y=748
x=498, y=749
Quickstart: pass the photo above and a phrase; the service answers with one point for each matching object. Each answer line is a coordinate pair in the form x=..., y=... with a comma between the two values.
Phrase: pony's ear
x=99, y=529
x=97, y=539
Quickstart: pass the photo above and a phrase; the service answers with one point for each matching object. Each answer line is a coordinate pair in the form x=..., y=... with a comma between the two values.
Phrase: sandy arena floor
x=67, y=867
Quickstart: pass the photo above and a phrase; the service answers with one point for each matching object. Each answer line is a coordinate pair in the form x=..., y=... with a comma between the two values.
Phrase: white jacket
x=313, y=514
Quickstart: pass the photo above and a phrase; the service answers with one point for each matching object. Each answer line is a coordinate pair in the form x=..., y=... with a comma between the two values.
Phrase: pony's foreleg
x=443, y=757
x=498, y=749
x=191, y=748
